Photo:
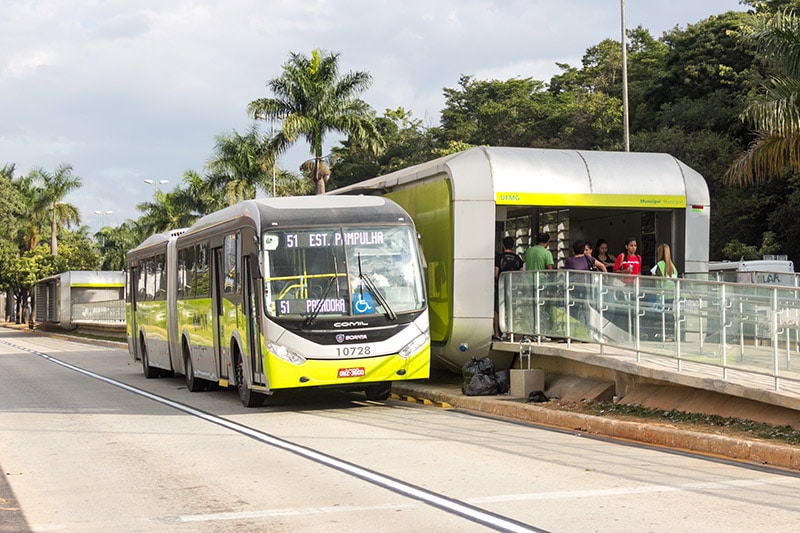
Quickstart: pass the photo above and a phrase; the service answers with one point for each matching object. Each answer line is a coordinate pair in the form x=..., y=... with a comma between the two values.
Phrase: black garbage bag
x=503, y=378
x=484, y=365
x=537, y=396
x=480, y=385
x=479, y=377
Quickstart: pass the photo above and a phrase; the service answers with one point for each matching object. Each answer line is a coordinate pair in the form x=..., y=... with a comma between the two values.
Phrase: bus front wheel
x=379, y=391
x=248, y=396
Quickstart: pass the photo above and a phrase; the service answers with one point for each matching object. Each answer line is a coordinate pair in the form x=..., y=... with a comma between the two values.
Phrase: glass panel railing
x=735, y=326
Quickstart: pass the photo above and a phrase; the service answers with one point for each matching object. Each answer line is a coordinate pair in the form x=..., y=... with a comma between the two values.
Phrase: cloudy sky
x=129, y=90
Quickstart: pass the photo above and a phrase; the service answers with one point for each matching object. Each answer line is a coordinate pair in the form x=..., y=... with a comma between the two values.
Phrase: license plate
x=351, y=372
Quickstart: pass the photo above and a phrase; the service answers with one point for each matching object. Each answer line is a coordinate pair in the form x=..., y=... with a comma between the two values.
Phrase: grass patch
x=737, y=427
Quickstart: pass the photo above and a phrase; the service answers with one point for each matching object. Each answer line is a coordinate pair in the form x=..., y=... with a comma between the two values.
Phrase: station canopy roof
x=533, y=176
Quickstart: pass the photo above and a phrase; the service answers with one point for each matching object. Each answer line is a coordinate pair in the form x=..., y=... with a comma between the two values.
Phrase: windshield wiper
x=335, y=279
x=390, y=314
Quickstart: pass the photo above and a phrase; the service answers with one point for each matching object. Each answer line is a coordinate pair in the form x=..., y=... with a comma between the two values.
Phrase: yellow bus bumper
x=347, y=372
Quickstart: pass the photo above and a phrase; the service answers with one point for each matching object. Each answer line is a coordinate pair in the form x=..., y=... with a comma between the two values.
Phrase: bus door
x=132, y=287
x=221, y=350
x=250, y=299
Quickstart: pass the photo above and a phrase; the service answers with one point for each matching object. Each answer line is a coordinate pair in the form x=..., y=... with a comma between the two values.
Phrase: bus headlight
x=414, y=346
x=286, y=354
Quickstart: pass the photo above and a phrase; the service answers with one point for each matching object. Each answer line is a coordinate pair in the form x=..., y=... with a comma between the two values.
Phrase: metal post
x=625, y=79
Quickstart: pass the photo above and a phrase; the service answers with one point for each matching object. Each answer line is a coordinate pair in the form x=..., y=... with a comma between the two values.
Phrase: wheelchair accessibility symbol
x=363, y=303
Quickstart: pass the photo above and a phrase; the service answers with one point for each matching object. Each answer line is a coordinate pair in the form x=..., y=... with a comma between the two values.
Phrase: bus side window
x=232, y=264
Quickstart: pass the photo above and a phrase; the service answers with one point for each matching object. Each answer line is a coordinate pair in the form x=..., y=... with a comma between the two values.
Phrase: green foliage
x=240, y=164
x=53, y=189
x=495, y=113
x=36, y=264
x=78, y=251
x=11, y=206
x=407, y=143
x=312, y=100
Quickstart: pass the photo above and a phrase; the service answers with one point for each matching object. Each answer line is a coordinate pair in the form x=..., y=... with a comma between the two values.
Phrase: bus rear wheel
x=149, y=371
x=248, y=396
x=194, y=384
x=379, y=391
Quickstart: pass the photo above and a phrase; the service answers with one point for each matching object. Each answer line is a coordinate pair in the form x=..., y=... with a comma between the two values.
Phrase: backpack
x=510, y=261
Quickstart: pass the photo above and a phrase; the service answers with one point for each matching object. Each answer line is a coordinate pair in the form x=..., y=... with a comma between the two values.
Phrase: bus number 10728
x=352, y=351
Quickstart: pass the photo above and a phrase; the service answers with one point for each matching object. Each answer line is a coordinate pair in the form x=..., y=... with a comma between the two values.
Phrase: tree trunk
x=53, y=238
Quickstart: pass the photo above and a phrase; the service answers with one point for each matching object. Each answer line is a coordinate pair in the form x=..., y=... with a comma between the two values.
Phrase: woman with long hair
x=602, y=254
x=629, y=262
x=664, y=266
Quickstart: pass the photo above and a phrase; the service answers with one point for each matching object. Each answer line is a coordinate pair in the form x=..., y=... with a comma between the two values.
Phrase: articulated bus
x=283, y=293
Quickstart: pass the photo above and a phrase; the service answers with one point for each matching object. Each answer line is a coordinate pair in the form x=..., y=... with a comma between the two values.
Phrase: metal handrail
x=749, y=328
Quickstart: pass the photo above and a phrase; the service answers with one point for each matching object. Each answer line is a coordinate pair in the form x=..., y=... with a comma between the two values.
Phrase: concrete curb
x=757, y=452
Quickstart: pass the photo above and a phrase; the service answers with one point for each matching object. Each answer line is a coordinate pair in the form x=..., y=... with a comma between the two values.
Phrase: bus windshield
x=342, y=271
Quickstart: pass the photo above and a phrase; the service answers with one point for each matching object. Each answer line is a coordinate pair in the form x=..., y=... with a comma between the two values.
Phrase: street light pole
x=271, y=137
x=625, y=110
x=103, y=217
x=156, y=183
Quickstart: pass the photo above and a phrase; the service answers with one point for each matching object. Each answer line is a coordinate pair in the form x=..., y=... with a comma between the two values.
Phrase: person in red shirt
x=629, y=262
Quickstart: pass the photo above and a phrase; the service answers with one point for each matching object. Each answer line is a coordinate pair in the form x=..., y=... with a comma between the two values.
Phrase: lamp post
x=156, y=183
x=103, y=217
x=103, y=223
x=625, y=110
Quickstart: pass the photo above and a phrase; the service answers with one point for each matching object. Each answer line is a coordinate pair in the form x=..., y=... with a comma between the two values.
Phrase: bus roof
x=755, y=265
x=307, y=211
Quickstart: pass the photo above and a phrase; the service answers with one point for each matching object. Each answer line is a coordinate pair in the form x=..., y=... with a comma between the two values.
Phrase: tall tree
x=167, y=211
x=312, y=100
x=239, y=164
x=11, y=206
x=496, y=113
x=408, y=143
x=201, y=195
x=115, y=242
x=34, y=217
x=54, y=189
x=775, y=113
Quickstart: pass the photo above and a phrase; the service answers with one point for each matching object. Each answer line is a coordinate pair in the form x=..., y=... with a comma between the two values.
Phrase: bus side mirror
x=255, y=266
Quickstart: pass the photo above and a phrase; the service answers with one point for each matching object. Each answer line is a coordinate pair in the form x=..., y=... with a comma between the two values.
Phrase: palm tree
x=34, y=219
x=200, y=194
x=54, y=188
x=238, y=165
x=167, y=211
x=116, y=241
x=11, y=206
x=312, y=100
x=775, y=114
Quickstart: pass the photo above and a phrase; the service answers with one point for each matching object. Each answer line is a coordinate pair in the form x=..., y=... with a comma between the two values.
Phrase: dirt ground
x=702, y=423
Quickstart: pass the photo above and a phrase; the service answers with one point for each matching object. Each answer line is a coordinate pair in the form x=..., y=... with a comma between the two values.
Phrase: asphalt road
x=88, y=444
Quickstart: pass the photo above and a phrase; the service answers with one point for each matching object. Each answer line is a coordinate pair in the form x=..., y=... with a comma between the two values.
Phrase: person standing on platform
x=664, y=268
x=602, y=254
x=629, y=262
x=594, y=263
x=506, y=261
x=539, y=257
